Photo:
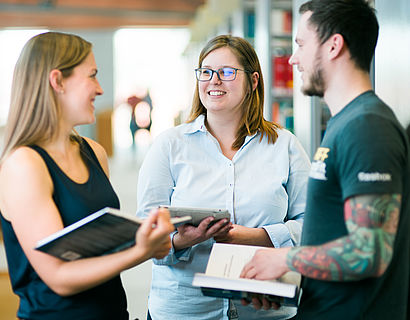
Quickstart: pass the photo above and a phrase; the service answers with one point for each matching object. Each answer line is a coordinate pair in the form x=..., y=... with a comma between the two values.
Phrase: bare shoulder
x=22, y=160
x=100, y=153
x=23, y=173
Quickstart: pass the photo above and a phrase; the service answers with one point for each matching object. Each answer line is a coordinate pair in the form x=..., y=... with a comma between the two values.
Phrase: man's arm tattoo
x=366, y=251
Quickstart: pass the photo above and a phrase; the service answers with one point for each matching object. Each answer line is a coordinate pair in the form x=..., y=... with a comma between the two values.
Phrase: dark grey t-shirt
x=364, y=151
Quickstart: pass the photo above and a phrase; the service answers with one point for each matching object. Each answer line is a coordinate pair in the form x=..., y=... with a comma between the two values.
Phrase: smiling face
x=222, y=96
x=79, y=91
x=308, y=58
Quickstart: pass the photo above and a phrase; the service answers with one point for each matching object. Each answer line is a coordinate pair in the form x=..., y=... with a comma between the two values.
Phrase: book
x=105, y=231
x=198, y=214
x=222, y=278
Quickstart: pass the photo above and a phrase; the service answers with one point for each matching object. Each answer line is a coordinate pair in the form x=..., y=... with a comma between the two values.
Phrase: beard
x=316, y=84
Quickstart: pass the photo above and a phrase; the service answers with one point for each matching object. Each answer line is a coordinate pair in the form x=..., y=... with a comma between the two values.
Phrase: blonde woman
x=51, y=177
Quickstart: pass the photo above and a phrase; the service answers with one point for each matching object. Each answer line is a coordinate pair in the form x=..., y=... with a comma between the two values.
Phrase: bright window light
x=150, y=60
x=12, y=42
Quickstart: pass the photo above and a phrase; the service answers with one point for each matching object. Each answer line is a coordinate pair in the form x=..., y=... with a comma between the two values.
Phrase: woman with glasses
x=51, y=177
x=226, y=156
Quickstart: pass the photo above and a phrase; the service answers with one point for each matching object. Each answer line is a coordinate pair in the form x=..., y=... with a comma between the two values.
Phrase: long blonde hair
x=252, y=106
x=34, y=112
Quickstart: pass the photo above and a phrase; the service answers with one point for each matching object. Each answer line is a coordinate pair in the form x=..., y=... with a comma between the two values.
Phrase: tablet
x=198, y=214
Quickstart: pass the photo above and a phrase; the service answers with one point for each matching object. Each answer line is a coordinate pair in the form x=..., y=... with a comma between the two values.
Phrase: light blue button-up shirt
x=263, y=186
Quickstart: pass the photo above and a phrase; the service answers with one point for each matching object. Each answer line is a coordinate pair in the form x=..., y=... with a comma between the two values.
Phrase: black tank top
x=74, y=201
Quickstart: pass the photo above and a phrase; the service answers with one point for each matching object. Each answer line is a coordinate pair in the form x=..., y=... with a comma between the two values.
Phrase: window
x=150, y=60
x=12, y=42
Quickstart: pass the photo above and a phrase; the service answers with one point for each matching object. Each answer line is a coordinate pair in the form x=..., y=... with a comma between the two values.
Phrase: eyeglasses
x=224, y=74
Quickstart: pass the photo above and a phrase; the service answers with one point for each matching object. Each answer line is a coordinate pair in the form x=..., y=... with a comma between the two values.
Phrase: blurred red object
x=133, y=101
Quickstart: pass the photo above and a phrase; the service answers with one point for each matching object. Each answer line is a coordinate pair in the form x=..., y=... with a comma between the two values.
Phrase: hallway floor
x=124, y=168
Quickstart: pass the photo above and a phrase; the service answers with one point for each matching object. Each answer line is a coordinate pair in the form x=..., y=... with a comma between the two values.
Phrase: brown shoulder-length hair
x=252, y=105
x=34, y=112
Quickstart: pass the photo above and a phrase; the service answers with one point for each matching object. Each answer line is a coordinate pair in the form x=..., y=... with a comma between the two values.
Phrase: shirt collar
x=198, y=125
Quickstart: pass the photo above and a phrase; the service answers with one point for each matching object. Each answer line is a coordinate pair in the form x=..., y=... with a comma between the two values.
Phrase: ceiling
x=96, y=14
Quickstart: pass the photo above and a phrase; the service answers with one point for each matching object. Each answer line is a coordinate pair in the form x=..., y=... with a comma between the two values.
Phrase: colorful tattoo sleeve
x=366, y=251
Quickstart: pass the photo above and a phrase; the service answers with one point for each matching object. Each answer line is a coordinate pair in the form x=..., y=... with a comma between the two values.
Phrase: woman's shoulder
x=21, y=157
x=22, y=168
x=284, y=136
x=286, y=139
x=96, y=147
x=100, y=153
x=285, y=133
x=175, y=134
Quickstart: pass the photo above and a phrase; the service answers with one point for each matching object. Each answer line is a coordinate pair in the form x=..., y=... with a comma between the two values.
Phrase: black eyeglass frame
x=217, y=73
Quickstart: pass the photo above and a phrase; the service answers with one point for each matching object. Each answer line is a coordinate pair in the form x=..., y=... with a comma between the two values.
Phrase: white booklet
x=105, y=231
x=221, y=278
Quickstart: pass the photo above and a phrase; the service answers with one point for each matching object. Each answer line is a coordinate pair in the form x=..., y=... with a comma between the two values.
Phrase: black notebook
x=105, y=231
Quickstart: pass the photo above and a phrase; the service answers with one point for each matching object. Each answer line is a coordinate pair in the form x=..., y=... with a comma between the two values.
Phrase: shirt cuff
x=174, y=256
x=279, y=235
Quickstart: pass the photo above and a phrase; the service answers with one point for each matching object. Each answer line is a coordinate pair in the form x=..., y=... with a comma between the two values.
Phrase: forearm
x=246, y=236
x=256, y=237
x=86, y=273
x=80, y=275
x=366, y=253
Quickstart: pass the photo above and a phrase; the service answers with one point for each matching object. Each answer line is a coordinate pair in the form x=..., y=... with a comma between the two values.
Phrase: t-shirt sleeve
x=371, y=156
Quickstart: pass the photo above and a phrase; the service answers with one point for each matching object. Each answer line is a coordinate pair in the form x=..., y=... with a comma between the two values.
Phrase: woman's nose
x=215, y=78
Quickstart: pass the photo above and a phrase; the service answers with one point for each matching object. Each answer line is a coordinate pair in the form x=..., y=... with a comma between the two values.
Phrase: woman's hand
x=259, y=303
x=243, y=235
x=188, y=235
x=152, y=238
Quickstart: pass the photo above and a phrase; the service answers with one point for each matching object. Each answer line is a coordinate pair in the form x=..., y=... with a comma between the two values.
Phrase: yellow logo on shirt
x=321, y=154
x=318, y=168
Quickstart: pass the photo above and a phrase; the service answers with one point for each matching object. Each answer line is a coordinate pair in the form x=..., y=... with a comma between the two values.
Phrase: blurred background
x=146, y=52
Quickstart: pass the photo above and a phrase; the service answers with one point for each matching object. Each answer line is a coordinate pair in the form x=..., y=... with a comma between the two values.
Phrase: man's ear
x=55, y=79
x=255, y=80
x=336, y=44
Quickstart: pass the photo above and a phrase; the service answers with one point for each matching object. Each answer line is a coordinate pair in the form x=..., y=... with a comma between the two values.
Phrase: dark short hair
x=355, y=20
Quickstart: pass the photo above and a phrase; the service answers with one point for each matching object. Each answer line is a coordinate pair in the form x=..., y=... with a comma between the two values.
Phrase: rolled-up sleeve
x=289, y=232
x=155, y=187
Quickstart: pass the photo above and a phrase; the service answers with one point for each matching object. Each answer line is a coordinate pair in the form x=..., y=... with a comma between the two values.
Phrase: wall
x=103, y=48
x=392, y=70
x=3, y=261
x=392, y=62
x=303, y=106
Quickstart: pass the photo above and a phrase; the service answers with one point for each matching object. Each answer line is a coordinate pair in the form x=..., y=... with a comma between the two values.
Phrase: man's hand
x=266, y=264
